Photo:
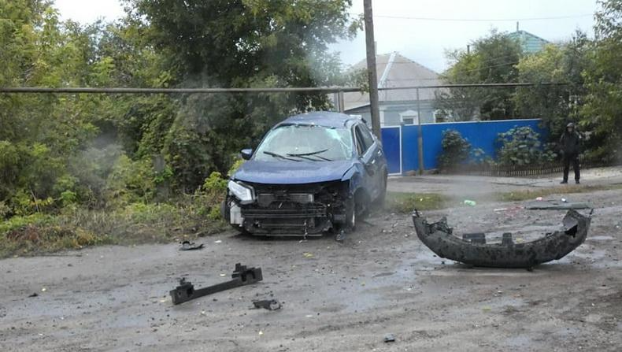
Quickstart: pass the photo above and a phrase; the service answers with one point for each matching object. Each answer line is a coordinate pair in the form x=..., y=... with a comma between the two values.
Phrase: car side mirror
x=246, y=153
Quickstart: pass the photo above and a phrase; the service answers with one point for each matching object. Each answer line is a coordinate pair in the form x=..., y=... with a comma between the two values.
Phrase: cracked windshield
x=313, y=143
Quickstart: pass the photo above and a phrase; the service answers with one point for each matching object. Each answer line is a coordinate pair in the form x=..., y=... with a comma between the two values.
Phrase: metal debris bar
x=269, y=304
x=241, y=276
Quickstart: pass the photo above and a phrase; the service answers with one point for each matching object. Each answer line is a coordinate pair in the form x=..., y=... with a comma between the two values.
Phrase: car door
x=371, y=157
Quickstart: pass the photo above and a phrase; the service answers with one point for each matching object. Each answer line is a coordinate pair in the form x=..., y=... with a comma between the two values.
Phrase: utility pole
x=371, y=68
x=420, y=135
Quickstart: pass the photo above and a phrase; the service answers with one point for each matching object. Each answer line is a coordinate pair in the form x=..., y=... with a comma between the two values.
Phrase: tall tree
x=559, y=63
x=492, y=59
x=240, y=43
x=602, y=113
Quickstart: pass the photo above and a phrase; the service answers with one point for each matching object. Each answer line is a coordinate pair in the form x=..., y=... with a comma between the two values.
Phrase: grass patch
x=407, y=202
x=78, y=228
x=517, y=196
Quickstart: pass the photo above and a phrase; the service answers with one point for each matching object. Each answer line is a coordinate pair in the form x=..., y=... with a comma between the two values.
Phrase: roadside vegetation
x=78, y=170
x=188, y=216
x=407, y=202
x=517, y=196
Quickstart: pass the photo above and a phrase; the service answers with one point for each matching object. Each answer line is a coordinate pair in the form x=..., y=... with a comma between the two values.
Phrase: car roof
x=321, y=118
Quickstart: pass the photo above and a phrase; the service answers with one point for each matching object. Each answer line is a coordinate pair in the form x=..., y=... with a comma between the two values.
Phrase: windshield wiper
x=310, y=158
x=307, y=155
x=279, y=156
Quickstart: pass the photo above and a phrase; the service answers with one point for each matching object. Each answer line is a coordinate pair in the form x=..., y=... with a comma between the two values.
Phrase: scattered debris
x=269, y=304
x=389, y=338
x=43, y=289
x=555, y=205
x=341, y=236
x=367, y=222
x=470, y=202
x=218, y=241
x=307, y=255
x=33, y=295
x=190, y=246
x=439, y=238
x=241, y=276
x=510, y=209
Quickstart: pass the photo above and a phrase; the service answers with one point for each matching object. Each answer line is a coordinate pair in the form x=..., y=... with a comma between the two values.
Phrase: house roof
x=530, y=43
x=395, y=70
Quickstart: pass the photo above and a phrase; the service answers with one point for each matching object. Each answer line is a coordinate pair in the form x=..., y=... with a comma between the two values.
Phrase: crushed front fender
x=440, y=239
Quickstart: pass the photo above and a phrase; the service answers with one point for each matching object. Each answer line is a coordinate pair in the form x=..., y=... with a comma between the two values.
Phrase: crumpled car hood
x=291, y=172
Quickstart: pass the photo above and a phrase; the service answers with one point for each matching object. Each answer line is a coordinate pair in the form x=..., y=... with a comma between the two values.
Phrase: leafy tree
x=38, y=132
x=560, y=63
x=59, y=150
x=242, y=43
x=601, y=116
x=493, y=59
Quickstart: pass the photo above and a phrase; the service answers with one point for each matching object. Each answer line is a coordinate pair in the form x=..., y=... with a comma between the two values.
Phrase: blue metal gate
x=392, y=145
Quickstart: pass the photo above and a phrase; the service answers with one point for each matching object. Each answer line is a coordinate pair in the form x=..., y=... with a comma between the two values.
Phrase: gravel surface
x=335, y=297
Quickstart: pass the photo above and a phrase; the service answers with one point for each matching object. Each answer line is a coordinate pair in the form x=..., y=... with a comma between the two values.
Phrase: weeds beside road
x=135, y=224
x=139, y=223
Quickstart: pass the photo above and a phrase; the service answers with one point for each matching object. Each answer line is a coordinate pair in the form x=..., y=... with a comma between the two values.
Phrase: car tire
x=379, y=203
x=350, y=224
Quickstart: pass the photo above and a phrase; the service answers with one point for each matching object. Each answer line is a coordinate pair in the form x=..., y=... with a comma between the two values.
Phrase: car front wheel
x=379, y=203
x=350, y=215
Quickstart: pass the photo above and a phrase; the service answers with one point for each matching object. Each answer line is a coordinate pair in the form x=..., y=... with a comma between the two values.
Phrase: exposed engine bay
x=307, y=209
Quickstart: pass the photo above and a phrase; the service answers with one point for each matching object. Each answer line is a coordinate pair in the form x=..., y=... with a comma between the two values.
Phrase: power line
x=78, y=90
x=436, y=19
x=89, y=90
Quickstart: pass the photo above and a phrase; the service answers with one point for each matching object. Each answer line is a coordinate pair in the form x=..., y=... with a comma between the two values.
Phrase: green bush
x=456, y=150
x=521, y=146
x=130, y=181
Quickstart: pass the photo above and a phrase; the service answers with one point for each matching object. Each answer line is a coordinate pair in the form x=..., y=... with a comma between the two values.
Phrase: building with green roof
x=530, y=43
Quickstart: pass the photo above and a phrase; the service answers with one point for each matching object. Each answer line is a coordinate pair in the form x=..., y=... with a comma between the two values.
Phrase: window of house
x=409, y=117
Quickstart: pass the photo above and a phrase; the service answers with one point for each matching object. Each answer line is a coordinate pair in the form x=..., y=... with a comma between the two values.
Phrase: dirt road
x=335, y=298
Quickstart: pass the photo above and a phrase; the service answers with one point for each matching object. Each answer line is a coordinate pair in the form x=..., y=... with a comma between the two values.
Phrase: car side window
x=364, y=140
x=358, y=141
x=367, y=136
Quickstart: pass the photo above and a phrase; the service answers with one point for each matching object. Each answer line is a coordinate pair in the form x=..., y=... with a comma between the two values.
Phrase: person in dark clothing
x=570, y=148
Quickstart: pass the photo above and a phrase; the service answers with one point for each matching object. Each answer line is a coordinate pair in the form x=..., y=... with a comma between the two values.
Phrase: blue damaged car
x=311, y=173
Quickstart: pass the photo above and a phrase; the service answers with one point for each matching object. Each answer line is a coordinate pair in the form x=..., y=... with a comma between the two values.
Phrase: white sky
x=421, y=40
